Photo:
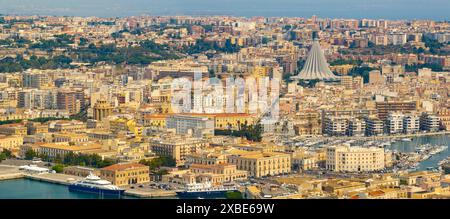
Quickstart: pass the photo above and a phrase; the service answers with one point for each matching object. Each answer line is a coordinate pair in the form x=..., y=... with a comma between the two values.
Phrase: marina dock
x=10, y=172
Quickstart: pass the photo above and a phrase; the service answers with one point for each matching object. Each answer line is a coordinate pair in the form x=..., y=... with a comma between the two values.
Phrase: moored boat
x=96, y=185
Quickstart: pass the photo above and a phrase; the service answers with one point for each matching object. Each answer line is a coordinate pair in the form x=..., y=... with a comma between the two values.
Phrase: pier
x=57, y=178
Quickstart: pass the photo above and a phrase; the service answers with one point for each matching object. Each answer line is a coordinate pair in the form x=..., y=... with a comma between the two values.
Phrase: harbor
x=12, y=175
x=413, y=154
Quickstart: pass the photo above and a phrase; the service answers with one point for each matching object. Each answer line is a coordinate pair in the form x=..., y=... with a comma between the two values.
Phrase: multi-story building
x=219, y=172
x=336, y=125
x=429, y=122
x=70, y=137
x=195, y=125
x=356, y=127
x=35, y=79
x=444, y=118
x=394, y=123
x=355, y=159
x=374, y=126
x=307, y=123
x=205, y=158
x=259, y=164
x=13, y=129
x=178, y=148
x=60, y=150
x=66, y=126
x=411, y=124
x=11, y=142
x=36, y=128
x=70, y=100
x=384, y=108
x=102, y=109
x=126, y=174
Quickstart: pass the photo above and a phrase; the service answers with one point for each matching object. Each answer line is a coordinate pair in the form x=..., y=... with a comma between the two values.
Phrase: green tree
x=59, y=168
x=30, y=154
x=2, y=156
x=233, y=195
x=5, y=154
x=156, y=163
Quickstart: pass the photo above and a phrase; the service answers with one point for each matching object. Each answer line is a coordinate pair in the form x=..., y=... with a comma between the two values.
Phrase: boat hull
x=98, y=191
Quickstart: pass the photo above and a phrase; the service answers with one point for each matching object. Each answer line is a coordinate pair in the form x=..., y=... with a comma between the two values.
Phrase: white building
x=184, y=124
x=411, y=124
x=394, y=123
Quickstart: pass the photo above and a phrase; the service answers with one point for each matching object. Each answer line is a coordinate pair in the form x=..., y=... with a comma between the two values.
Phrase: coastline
x=63, y=179
x=11, y=176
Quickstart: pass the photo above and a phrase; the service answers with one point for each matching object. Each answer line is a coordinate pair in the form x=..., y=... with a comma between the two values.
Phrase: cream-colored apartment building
x=354, y=159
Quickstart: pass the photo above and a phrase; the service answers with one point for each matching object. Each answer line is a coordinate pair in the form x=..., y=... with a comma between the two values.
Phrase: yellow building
x=58, y=149
x=343, y=187
x=102, y=109
x=219, y=173
x=221, y=120
x=70, y=137
x=232, y=120
x=126, y=174
x=36, y=128
x=261, y=71
x=205, y=158
x=178, y=148
x=444, y=117
x=383, y=181
x=13, y=129
x=387, y=193
x=341, y=69
x=11, y=142
x=155, y=120
x=305, y=162
x=67, y=126
x=258, y=163
x=307, y=122
x=124, y=125
x=416, y=178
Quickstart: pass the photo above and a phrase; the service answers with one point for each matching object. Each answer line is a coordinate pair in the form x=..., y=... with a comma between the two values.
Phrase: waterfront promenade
x=10, y=172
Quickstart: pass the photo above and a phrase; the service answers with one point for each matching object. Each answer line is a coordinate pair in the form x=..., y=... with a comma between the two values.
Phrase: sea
x=32, y=189
x=379, y=9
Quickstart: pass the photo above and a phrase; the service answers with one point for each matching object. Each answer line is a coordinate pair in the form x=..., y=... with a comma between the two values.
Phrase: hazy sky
x=390, y=9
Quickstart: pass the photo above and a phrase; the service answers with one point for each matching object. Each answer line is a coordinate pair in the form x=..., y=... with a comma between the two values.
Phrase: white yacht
x=96, y=185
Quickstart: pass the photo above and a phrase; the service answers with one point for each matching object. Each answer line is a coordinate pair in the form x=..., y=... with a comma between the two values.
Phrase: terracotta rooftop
x=116, y=167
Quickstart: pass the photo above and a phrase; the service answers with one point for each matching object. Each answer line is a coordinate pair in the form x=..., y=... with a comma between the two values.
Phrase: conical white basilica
x=316, y=66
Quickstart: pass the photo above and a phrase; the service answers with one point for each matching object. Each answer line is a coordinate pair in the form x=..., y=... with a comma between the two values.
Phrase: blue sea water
x=31, y=189
x=383, y=9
